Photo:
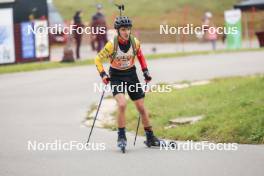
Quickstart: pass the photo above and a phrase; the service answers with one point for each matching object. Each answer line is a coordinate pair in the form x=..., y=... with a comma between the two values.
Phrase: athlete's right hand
x=105, y=78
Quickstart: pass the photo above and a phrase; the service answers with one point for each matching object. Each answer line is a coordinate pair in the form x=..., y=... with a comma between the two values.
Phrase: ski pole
x=96, y=115
x=137, y=130
x=138, y=124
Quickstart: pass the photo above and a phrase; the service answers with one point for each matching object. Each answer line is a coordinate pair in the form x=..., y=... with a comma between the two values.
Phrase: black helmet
x=122, y=21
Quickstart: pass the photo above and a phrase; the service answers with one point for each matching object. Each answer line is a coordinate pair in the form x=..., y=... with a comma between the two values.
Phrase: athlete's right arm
x=102, y=55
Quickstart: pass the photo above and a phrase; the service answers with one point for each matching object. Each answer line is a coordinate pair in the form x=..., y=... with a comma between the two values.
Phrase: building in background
x=17, y=44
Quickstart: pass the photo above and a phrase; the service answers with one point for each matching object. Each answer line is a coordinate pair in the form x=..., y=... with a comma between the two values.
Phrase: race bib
x=124, y=63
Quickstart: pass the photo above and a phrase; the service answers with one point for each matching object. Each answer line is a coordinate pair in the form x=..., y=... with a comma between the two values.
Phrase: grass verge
x=232, y=107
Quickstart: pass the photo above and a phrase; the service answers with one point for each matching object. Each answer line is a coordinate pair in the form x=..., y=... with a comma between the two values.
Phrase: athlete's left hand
x=147, y=75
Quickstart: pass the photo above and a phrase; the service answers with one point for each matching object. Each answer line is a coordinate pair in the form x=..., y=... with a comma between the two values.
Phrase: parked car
x=55, y=19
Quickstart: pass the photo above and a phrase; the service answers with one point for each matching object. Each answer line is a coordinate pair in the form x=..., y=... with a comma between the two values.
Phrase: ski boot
x=122, y=142
x=152, y=140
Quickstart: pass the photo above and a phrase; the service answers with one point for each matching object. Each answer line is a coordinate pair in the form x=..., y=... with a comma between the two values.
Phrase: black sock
x=121, y=131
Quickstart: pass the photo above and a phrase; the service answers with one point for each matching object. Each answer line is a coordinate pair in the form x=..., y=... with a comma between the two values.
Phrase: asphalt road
x=45, y=106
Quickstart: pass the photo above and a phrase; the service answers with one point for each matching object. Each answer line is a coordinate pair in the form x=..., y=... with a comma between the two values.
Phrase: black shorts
x=126, y=81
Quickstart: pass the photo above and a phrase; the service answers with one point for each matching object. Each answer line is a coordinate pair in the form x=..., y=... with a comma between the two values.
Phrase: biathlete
x=121, y=52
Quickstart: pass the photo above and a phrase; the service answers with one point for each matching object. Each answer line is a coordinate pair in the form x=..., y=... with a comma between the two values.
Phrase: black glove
x=105, y=77
x=146, y=75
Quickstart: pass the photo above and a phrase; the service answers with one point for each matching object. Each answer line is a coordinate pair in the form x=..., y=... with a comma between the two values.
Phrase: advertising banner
x=41, y=38
x=233, y=20
x=7, y=49
x=27, y=41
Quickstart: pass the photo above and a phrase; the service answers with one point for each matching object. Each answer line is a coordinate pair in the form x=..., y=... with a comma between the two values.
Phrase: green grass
x=35, y=66
x=192, y=53
x=232, y=107
x=148, y=14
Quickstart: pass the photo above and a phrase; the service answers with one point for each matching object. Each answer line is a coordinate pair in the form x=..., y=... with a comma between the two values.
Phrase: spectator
x=78, y=36
x=211, y=35
x=98, y=20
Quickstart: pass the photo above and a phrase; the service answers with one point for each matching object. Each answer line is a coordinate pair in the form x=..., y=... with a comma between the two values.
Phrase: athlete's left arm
x=140, y=56
x=142, y=62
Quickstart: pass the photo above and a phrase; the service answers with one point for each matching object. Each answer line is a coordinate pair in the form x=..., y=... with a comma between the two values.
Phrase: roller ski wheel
x=169, y=144
x=173, y=144
x=123, y=149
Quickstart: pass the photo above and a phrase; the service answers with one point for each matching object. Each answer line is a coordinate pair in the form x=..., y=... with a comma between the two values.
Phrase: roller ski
x=122, y=142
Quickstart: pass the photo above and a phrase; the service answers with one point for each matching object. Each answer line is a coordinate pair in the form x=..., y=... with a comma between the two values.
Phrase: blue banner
x=27, y=39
